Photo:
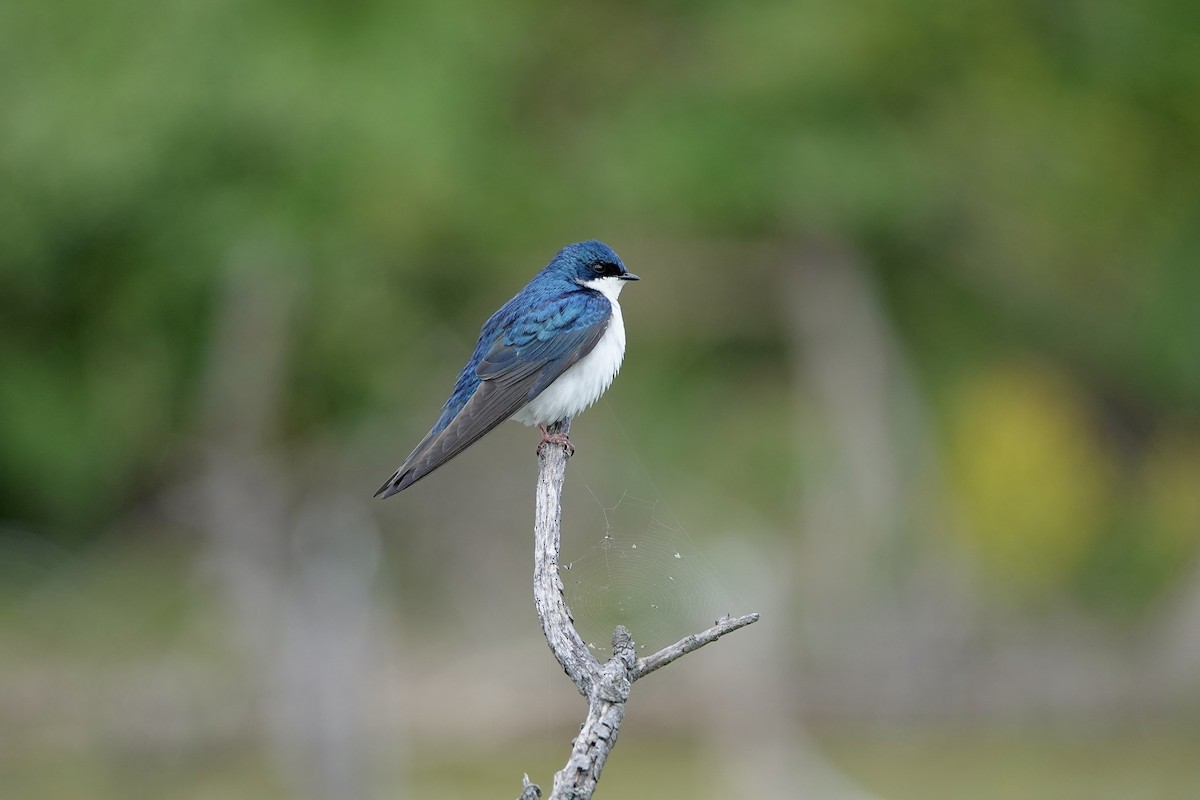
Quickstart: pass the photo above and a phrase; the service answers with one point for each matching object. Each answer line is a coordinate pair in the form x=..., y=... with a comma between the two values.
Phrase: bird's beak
x=629, y=276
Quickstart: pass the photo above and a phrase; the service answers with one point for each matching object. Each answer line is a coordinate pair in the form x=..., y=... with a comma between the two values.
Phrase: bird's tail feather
x=401, y=479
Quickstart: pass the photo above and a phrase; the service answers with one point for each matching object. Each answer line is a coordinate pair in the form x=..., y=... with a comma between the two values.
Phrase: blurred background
x=913, y=370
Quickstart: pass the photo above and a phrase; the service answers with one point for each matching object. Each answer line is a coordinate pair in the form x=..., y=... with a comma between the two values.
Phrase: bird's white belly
x=583, y=382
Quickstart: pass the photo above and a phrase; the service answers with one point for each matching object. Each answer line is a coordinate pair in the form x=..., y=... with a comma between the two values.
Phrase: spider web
x=627, y=561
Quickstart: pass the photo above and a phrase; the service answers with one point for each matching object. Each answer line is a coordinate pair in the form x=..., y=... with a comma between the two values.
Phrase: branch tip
x=529, y=790
x=687, y=644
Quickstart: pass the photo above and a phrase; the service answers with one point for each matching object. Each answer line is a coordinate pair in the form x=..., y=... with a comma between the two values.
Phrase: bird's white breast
x=583, y=382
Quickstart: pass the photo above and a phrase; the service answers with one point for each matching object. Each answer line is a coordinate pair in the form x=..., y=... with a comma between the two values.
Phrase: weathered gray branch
x=689, y=643
x=606, y=686
x=557, y=623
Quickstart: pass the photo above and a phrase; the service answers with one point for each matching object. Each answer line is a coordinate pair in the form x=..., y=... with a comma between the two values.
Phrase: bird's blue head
x=592, y=264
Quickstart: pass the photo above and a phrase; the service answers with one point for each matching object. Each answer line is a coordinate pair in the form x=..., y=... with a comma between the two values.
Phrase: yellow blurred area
x=1034, y=479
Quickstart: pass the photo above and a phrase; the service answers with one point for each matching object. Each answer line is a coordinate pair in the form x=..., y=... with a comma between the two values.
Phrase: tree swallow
x=545, y=356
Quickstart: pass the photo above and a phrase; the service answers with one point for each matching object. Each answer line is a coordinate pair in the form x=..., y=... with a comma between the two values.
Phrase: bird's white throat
x=584, y=382
x=609, y=287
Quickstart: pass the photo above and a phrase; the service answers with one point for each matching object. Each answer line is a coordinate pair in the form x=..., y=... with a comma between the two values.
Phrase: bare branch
x=529, y=789
x=577, y=661
x=689, y=643
x=606, y=686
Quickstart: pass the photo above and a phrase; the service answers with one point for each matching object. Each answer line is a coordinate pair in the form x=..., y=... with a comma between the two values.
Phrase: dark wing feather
x=524, y=359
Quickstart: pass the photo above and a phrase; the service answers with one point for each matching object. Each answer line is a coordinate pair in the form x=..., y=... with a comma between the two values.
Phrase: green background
x=922, y=276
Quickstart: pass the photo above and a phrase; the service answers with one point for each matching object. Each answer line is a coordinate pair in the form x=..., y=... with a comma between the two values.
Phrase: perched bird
x=546, y=355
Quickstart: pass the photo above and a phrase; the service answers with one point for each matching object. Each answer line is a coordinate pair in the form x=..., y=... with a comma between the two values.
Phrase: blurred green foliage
x=1022, y=177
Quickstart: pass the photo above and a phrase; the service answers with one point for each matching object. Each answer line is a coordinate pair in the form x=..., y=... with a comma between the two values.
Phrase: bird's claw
x=555, y=438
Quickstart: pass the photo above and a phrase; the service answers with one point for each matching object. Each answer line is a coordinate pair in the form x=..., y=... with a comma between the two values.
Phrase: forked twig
x=606, y=686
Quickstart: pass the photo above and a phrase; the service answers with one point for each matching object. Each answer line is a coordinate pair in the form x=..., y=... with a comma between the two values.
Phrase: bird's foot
x=555, y=438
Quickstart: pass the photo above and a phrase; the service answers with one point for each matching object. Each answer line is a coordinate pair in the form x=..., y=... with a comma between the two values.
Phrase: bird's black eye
x=598, y=269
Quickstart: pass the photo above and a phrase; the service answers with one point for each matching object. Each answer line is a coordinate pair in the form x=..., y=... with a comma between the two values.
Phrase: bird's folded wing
x=522, y=361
